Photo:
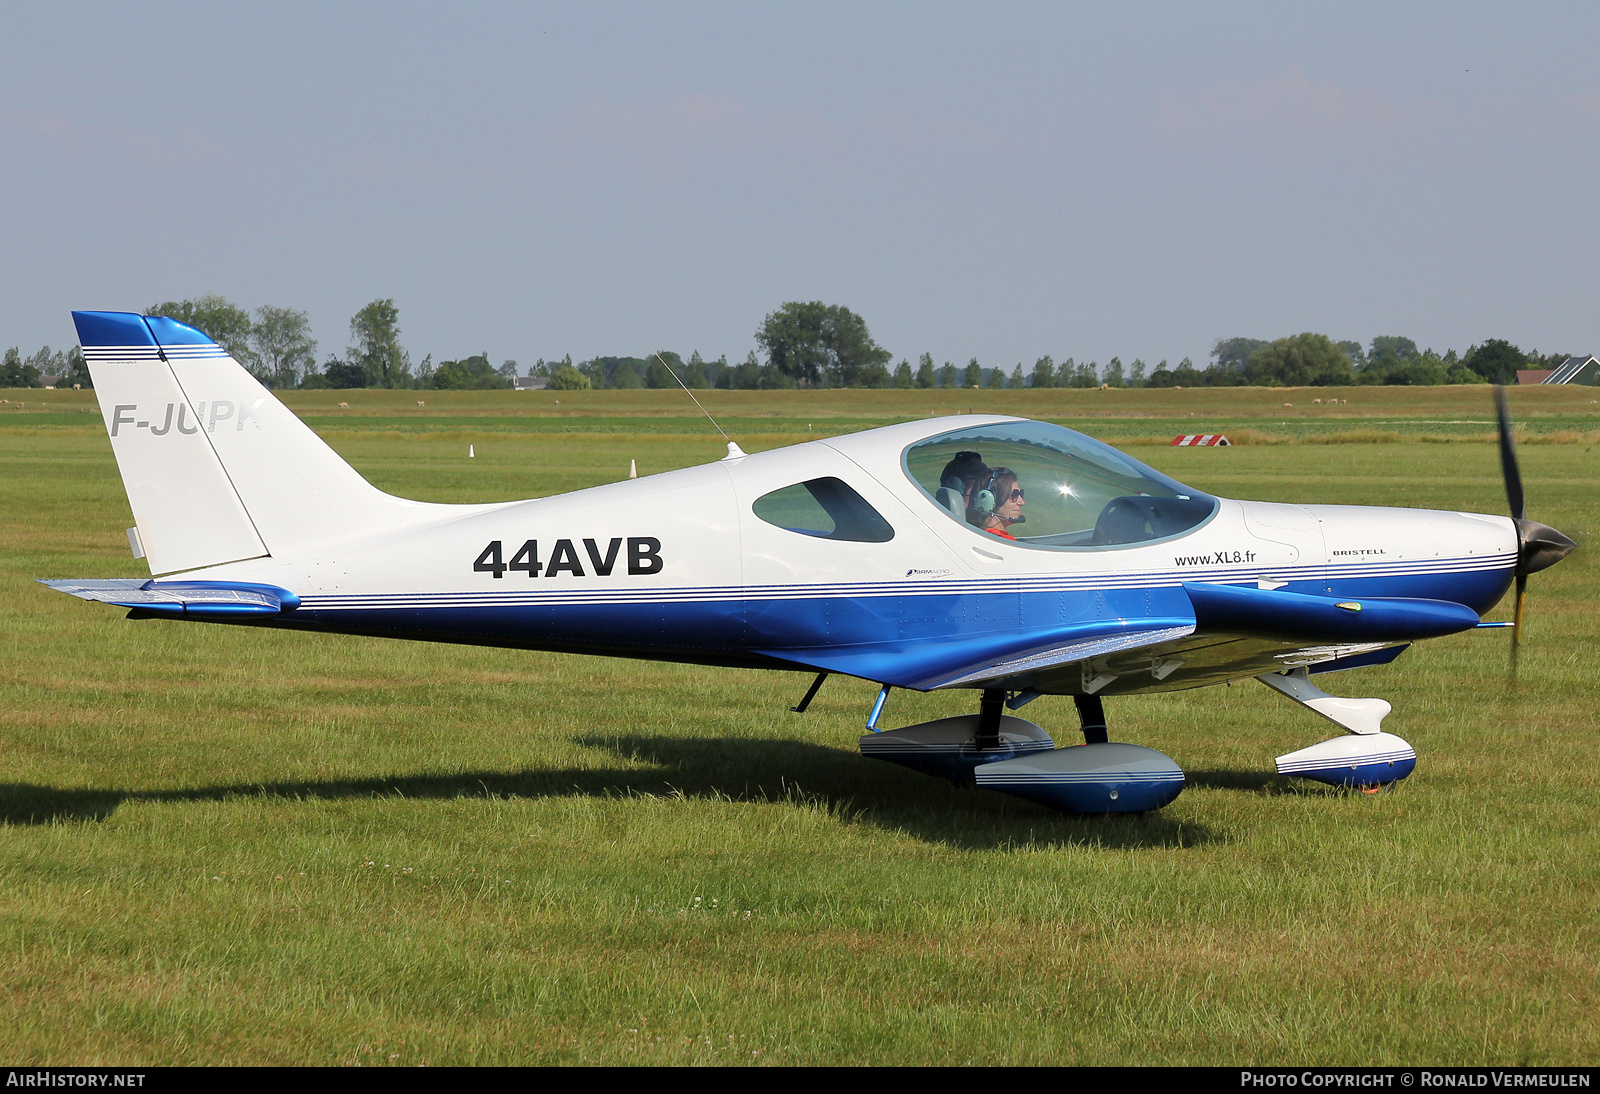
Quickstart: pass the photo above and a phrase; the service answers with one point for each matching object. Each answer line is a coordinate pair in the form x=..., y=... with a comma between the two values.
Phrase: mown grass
x=223, y=845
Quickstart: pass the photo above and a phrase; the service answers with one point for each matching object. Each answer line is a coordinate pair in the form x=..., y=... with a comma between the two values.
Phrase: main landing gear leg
x=990, y=708
x=1092, y=717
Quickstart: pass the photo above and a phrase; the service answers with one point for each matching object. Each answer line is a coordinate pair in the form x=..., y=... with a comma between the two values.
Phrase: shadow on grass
x=806, y=775
x=1267, y=783
x=1260, y=782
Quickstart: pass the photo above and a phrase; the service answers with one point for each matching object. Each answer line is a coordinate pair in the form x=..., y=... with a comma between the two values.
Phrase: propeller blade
x=1516, y=625
x=1539, y=546
x=1508, y=456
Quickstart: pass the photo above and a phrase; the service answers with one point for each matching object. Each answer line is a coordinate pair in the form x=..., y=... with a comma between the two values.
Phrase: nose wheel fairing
x=1368, y=760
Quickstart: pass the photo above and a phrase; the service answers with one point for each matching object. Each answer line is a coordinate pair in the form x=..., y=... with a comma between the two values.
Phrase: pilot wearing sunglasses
x=997, y=505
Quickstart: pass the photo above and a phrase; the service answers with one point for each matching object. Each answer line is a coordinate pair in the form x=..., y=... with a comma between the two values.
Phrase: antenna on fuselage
x=734, y=451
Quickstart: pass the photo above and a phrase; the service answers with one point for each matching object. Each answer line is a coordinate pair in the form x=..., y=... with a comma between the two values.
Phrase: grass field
x=230, y=846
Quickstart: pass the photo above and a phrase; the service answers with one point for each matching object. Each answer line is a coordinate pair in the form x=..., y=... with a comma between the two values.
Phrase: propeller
x=1539, y=546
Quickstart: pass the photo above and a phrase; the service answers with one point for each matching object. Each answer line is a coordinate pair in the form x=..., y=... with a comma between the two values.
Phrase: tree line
x=807, y=344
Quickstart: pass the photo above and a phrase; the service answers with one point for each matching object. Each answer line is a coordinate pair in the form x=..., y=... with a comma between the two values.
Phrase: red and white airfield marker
x=1202, y=440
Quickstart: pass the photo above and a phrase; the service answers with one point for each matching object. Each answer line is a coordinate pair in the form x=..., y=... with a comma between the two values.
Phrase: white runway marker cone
x=471, y=454
x=633, y=469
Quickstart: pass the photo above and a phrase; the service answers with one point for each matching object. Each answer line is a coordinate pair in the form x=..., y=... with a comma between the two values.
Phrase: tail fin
x=218, y=470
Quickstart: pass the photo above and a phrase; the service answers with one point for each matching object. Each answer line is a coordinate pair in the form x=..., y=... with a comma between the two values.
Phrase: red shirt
x=1002, y=533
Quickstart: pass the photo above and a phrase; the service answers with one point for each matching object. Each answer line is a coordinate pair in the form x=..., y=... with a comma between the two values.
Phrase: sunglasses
x=1016, y=494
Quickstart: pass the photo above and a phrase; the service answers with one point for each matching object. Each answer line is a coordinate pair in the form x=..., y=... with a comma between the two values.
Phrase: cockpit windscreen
x=1045, y=486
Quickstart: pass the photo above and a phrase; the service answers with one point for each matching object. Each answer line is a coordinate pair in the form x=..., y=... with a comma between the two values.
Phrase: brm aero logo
x=178, y=416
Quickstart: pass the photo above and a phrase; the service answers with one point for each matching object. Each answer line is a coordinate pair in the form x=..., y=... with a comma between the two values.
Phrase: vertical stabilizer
x=216, y=468
x=186, y=509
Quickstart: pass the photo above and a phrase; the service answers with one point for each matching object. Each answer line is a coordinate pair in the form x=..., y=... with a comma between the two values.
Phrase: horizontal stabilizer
x=215, y=599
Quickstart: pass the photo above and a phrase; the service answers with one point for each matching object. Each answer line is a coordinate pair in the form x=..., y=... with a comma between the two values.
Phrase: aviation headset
x=983, y=497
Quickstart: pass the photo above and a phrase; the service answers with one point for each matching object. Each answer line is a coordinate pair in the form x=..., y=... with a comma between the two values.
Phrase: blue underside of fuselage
x=907, y=640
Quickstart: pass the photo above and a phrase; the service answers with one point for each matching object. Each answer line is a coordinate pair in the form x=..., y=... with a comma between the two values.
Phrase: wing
x=1230, y=633
x=1001, y=659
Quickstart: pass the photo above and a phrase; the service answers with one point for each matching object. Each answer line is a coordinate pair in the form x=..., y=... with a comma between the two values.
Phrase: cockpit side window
x=827, y=508
x=1041, y=485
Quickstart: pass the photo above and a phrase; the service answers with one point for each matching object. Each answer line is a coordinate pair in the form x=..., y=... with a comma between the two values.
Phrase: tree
x=49, y=364
x=1300, y=360
x=1114, y=376
x=997, y=378
x=281, y=341
x=947, y=375
x=508, y=371
x=1087, y=374
x=1016, y=376
x=13, y=373
x=341, y=373
x=694, y=373
x=902, y=374
x=1393, y=347
x=77, y=374
x=375, y=346
x=221, y=320
x=1044, y=372
x=812, y=344
x=566, y=378
x=1497, y=361
x=1136, y=373
x=926, y=377
x=662, y=369
x=974, y=374
x=469, y=374
x=1186, y=375
x=748, y=374
x=626, y=376
x=1233, y=354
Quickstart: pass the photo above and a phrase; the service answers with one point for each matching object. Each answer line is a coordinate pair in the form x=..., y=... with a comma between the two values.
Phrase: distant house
x=1574, y=370
x=532, y=383
x=1533, y=375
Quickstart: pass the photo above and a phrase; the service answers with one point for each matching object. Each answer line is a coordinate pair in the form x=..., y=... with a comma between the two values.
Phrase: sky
x=998, y=181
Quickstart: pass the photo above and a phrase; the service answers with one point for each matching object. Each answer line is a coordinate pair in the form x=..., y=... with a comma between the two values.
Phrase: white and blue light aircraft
x=1010, y=557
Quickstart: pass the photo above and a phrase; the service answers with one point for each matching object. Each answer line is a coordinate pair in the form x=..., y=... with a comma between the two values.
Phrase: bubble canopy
x=1070, y=491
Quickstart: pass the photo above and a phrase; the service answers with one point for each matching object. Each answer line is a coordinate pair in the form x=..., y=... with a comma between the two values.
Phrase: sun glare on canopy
x=1067, y=489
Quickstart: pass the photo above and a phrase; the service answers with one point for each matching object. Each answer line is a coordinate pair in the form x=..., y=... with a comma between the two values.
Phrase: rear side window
x=826, y=508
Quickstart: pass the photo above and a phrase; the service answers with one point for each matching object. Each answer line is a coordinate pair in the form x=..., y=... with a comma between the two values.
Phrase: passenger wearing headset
x=997, y=505
x=961, y=476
